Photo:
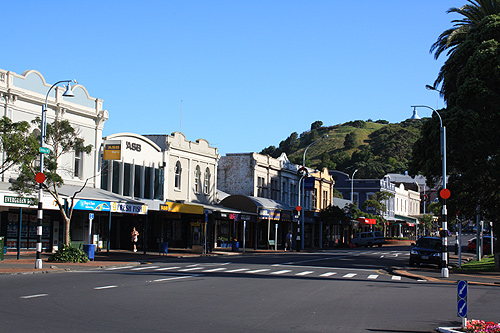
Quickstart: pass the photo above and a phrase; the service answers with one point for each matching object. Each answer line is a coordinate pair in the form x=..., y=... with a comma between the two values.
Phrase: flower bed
x=481, y=326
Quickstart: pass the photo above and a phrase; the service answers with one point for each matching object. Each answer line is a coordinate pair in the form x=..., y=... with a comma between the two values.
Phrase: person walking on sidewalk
x=135, y=238
x=288, y=241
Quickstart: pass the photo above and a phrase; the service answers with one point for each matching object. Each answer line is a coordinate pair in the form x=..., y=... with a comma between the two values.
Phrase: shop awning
x=363, y=220
x=410, y=224
x=405, y=218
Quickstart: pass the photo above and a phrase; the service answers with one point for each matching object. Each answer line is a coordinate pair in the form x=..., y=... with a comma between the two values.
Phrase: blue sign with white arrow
x=462, y=308
x=462, y=289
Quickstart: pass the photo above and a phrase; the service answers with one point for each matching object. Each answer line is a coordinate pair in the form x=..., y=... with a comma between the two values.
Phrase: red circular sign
x=444, y=193
x=40, y=177
x=298, y=208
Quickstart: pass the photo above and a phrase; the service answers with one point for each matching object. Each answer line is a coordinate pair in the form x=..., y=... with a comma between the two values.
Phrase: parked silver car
x=370, y=239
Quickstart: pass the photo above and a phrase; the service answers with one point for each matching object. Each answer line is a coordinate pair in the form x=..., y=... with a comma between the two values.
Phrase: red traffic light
x=298, y=208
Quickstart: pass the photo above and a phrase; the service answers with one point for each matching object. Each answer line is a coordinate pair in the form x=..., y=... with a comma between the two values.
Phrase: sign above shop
x=112, y=150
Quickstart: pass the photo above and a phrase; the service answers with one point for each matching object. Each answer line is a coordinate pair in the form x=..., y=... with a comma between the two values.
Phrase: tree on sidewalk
x=61, y=138
x=378, y=201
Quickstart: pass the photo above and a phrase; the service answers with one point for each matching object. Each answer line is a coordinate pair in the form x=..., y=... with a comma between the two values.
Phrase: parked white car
x=370, y=239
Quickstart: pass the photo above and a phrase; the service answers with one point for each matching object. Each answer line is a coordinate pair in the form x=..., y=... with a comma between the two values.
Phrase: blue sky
x=248, y=73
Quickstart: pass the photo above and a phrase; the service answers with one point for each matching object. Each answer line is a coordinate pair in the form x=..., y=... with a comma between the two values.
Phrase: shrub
x=69, y=254
x=476, y=326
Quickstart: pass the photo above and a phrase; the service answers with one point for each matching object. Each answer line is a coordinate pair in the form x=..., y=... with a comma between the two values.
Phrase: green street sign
x=44, y=150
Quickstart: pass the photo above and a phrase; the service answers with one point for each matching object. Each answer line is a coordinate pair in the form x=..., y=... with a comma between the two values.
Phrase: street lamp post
x=352, y=186
x=43, y=130
x=444, y=269
x=303, y=192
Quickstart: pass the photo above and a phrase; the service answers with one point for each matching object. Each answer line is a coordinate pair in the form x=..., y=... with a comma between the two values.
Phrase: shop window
x=178, y=173
x=207, y=181
x=104, y=175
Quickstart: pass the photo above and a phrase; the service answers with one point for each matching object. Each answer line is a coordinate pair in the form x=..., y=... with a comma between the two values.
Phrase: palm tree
x=450, y=39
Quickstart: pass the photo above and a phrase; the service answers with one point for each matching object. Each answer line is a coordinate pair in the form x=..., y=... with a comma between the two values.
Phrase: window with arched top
x=197, y=179
x=206, y=184
x=177, y=178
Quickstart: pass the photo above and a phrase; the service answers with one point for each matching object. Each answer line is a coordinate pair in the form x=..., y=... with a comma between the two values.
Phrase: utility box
x=89, y=250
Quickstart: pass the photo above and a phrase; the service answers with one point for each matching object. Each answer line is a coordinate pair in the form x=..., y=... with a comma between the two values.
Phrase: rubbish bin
x=163, y=248
x=1, y=248
x=235, y=246
x=89, y=250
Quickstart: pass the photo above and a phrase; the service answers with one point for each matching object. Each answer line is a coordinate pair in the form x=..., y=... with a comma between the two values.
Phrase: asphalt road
x=337, y=291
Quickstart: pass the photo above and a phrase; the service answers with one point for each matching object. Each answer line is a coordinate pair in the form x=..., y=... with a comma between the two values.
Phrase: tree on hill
x=316, y=125
x=350, y=140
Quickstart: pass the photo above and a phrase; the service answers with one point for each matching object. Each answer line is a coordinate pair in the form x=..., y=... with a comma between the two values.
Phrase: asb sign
x=112, y=150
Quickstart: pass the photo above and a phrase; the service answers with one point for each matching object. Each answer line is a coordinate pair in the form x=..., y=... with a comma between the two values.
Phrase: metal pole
x=444, y=269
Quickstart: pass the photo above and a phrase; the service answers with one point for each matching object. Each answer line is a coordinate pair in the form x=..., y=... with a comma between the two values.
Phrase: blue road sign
x=462, y=308
x=91, y=216
x=462, y=289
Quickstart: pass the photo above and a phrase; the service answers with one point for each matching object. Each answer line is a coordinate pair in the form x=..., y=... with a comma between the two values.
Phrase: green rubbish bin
x=1, y=247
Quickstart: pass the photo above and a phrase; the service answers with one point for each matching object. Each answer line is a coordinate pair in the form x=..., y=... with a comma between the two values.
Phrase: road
x=332, y=291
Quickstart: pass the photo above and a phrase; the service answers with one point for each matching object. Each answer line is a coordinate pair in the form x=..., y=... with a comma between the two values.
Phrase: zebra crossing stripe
x=350, y=275
x=372, y=276
x=142, y=268
x=328, y=274
x=259, y=270
x=396, y=277
x=191, y=269
x=237, y=270
x=214, y=269
x=282, y=272
x=304, y=273
x=166, y=268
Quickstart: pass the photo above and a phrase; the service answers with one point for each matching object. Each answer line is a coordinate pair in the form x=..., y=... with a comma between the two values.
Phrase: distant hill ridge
x=373, y=147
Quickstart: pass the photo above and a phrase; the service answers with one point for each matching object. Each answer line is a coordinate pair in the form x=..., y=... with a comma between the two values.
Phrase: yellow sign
x=175, y=207
x=112, y=150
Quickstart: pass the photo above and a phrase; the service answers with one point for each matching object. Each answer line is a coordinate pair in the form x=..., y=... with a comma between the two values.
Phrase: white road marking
x=328, y=274
x=105, y=287
x=396, y=277
x=166, y=268
x=143, y=268
x=237, y=270
x=174, y=278
x=190, y=269
x=214, y=269
x=282, y=271
x=258, y=270
x=304, y=273
x=34, y=296
x=121, y=267
x=372, y=276
x=350, y=275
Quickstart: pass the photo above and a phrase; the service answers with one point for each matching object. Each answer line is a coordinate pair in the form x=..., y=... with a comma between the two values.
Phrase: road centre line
x=34, y=296
x=258, y=270
x=191, y=269
x=105, y=287
x=319, y=259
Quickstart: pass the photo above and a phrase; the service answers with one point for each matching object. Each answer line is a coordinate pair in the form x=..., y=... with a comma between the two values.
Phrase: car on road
x=368, y=239
x=471, y=246
x=427, y=250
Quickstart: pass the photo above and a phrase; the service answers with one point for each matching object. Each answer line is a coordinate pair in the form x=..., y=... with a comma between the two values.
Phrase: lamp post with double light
x=444, y=192
x=303, y=190
x=40, y=177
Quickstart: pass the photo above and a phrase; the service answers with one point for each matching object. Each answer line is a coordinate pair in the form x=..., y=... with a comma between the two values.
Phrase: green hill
x=374, y=148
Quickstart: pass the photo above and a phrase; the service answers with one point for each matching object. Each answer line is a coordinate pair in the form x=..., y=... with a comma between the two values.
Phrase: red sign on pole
x=40, y=177
x=444, y=193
